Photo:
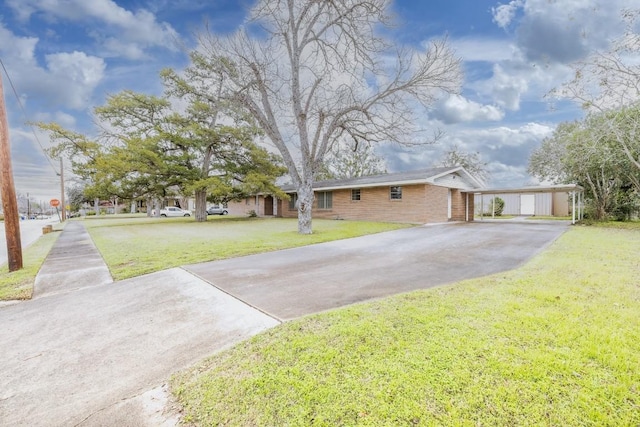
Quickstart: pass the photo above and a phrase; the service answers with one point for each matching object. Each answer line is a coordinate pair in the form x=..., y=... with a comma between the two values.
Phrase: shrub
x=499, y=206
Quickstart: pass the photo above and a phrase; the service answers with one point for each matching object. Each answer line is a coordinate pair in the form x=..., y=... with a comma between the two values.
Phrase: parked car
x=217, y=210
x=173, y=211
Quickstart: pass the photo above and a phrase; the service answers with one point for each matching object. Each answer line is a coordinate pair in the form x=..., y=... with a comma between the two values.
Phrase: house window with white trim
x=355, y=195
x=395, y=193
x=325, y=199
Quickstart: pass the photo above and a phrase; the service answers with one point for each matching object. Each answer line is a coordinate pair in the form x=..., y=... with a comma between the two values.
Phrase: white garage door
x=527, y=204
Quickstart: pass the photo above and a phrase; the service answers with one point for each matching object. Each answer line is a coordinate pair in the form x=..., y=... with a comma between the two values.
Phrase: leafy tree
x=312, y=72
x=231, y=165
x=580, y=152
x=147, y=149
x=472, y=162
x=76, y=197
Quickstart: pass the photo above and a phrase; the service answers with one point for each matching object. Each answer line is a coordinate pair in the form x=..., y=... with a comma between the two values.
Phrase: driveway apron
x=296, y=282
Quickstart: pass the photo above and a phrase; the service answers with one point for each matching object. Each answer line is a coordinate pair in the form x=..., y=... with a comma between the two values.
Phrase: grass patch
x=18, y=285
x=135, y=246
x=623, y=225
x=488, y=216
x=551, y=217
x=556, y=342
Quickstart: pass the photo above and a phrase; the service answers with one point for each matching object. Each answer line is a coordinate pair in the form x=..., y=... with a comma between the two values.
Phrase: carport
x=575, y=190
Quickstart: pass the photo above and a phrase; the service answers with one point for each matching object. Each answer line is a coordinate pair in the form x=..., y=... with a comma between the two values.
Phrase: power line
x=26, y=116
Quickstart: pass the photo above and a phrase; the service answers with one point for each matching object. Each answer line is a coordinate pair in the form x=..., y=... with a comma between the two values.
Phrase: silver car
x=173, y=211
x=217, y=210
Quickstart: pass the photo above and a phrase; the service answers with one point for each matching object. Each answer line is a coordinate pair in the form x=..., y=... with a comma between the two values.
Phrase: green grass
x=488, y=216
x=554, y=343
x=135, y=246
x=18, y=285
x=550, y=217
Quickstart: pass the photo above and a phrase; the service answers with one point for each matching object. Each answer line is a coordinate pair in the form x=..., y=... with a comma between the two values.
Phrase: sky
x=63, y=58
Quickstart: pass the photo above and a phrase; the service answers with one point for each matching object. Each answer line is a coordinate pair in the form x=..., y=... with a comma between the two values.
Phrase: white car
x=173, y=211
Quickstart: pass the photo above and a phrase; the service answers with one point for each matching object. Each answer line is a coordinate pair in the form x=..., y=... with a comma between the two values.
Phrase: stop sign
x=54, y=202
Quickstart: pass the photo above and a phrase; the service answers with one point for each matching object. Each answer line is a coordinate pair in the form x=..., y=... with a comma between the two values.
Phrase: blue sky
x=65, y=56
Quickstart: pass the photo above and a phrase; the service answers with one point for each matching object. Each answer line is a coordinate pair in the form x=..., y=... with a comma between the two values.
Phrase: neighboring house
x=423, y=196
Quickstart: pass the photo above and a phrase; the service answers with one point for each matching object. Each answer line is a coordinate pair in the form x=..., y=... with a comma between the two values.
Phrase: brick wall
x=245, y=205
x=419, y=204
x=458, y=204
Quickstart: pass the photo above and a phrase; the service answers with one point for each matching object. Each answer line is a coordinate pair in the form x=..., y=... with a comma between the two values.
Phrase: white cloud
x=544, y=37
x=484, y=49
x=457, y=109
x=507, y=88
x=504, y=13
x=507, y=147
x=119, y=31
x=67, y=81
x=79, y=74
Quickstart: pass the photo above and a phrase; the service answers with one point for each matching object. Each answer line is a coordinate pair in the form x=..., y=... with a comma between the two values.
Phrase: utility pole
x=9, y=201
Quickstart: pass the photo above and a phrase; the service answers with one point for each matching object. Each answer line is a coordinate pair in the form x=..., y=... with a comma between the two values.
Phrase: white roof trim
x=536, y=189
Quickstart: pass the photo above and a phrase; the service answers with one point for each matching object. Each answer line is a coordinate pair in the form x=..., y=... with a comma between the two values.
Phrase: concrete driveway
x=292, y=283
x=95, y=354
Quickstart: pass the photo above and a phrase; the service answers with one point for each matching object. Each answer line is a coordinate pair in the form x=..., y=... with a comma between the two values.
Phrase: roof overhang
x=374, y=184
x=458, y=169
x=562, y=188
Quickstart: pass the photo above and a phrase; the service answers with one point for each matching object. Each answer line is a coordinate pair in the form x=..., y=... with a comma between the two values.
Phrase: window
x=293, y=198
x=325, y=200
x=355, y=194
x=395, y=193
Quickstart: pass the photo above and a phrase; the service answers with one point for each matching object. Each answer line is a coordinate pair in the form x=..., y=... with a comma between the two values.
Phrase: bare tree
x=352, y=160
x=313, y=71
x=472, y=162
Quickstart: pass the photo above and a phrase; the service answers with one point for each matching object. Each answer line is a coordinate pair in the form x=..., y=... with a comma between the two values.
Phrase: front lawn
x=135, y=246
x=556, y=342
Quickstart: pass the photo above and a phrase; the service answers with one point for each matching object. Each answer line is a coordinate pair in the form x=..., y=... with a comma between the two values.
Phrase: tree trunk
x=158, y=206
x=201, y=205
x=305, y=206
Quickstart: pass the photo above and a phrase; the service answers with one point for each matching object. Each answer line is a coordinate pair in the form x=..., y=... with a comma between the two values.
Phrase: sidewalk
x=73, y=263
x=87, y=351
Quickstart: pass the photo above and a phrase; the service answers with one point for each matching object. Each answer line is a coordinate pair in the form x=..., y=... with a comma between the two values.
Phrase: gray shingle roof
x=417, y=176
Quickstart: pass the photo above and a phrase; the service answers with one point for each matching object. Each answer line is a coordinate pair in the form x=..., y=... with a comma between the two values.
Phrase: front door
x=268, y=206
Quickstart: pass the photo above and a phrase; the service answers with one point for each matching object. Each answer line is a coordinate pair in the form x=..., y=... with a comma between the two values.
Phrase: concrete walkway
x=90, y=352
x=87, y=351
x=73, y=262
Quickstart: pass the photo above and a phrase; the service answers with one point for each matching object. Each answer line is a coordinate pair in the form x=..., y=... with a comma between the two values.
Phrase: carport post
x=573, y=209
x=466, y=211
x=581, y=206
